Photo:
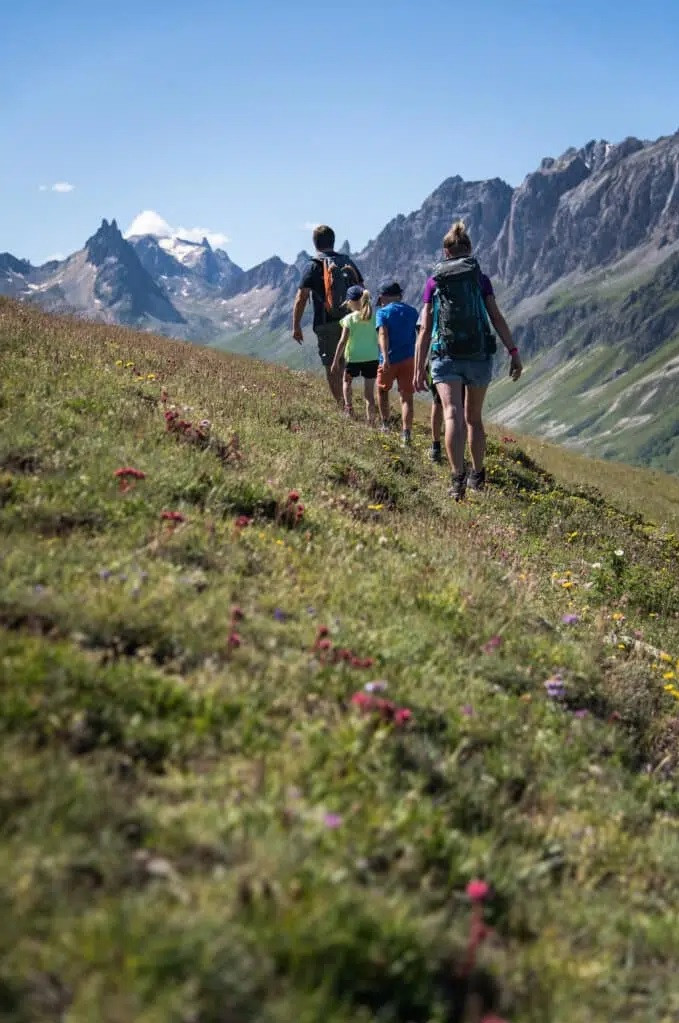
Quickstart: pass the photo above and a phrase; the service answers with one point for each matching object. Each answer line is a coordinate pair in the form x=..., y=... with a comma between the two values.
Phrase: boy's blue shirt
x=400, y=319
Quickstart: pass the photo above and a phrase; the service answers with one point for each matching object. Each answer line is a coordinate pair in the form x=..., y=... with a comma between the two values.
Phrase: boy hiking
x=358, y=347
x=326, y=278
x=459, y=308
x=396, y=333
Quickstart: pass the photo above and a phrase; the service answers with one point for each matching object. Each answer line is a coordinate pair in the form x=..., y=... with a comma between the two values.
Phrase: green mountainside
x=270, y=702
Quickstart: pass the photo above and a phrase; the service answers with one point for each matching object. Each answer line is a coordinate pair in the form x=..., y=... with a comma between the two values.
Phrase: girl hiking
x=358, y=345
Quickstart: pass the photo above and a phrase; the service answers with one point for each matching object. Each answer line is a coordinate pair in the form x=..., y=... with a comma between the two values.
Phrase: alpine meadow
x=257, y=767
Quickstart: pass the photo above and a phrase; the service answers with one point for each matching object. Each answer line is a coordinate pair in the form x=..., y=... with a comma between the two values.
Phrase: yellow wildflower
x=618, y=616
x=375, y=507
x=150, y=376
x=665, y=657
x=669, y=675
x=119, y=362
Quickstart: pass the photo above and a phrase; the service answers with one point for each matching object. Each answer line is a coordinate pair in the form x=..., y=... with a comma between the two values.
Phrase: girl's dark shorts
x=367, y=370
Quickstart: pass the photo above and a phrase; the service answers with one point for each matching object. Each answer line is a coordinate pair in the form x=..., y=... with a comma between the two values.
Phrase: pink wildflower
x=477, y=891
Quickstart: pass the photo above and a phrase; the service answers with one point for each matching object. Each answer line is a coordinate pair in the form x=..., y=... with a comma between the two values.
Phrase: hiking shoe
x=435, y=452
x=406, y=439
x=385, y=428
x=459, y=487
x=348, y=411
x=477, y=480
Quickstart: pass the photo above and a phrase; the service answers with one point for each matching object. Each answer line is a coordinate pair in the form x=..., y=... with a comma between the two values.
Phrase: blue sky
x=255, y=120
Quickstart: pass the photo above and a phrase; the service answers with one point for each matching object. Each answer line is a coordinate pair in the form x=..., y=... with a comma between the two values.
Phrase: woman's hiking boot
x=477, y=480
x=406, y=439
x=459, y=486
x=435, y=451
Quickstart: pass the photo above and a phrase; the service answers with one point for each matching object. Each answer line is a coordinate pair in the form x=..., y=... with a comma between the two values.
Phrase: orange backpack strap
x=327, y=284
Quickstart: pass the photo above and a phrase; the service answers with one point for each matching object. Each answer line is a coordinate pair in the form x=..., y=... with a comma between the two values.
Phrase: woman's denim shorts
x=472, y=372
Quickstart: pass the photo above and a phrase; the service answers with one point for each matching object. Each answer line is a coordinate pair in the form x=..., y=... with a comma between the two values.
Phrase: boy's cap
x=390, y=289
x=354, y=293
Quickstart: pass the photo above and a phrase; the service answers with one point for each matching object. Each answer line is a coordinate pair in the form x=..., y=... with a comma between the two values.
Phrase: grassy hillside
x=207, y=813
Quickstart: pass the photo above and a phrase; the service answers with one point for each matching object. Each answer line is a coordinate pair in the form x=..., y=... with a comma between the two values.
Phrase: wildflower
x=618, y=616
x=477, y=891
x=127, y=476
x=242, y=521
x=332, y=820
x=555, y=687
x=570, y=619
x=293, y=497
x=669, y=675
x=119, y=362
x=129, y=365
x=508, y=440
x=567, y=584
x=467, y=710
x=234, y=640
x=172, y=516
x=665, y=657
x=378, y=686
x=619, y=553
x=402, y=716
x=375, y=507
x=237, y=614
x=582, y=713
x=494, y=643
x=595, y=564
x=279, y=615
x=104, y=573
x=322, y=631
x=324, y=644
x=150, y=376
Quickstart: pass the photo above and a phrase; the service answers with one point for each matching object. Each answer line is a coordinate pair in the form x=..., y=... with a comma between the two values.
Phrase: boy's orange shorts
x=401, y=373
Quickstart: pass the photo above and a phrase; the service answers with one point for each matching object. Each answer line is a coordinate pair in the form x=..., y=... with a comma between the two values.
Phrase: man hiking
x=327, y=278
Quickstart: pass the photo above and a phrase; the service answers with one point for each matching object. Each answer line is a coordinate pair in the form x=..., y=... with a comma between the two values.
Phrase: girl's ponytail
x=365, y=313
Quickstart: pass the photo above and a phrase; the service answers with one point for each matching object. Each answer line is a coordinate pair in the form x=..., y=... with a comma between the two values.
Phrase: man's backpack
x=339, y=274
x=462, y=327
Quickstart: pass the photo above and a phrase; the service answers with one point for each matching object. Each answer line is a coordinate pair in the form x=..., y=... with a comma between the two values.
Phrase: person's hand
x=385, y=362
x=515, y=367
x=335, y=366
x=298, y=335
x=419, y=382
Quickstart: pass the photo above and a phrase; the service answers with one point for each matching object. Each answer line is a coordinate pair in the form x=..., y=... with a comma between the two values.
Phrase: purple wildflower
x=279, y=615
x=378, y=686
x=494, y=643
x=332, y=820
x=555, y=687
x=467, y=710
x=582, y=713
x=570, y=619
x=104, y=573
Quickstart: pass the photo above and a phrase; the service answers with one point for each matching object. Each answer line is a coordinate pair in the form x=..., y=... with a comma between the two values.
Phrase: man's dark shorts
x=367, y=370
x=328, y=335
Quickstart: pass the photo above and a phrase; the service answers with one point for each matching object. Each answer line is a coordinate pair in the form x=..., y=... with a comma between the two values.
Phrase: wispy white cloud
x=58, y=186
x=150, y=222
x=309, y=225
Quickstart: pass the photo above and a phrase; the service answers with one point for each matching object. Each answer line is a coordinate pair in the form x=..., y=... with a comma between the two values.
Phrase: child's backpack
x=462, y=329
x=338, y=275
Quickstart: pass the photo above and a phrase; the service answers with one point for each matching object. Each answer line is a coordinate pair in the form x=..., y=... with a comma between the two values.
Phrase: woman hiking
x=458, y=309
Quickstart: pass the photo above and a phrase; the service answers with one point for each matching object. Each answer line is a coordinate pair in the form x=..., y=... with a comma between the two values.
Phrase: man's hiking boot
x=406, y=439
x=459, y=487
x=385, y=427
x=435, y=452
x=477, y=480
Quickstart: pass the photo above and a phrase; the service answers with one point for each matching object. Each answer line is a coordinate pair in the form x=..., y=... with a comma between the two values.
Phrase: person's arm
x=383, y=342
x=340, y=349
x=505, y=335
x=422, y=347
x=301, y=299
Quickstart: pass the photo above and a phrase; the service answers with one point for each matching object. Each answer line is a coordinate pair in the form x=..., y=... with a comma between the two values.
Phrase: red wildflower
x=343, y=654
x=234, y=639
x=367, y=662
x=293, y=497
x=494, y=643
x=172, y=516
x=477, y=891
x=402, y=716
x=508, y=440
x=324, y=644
x=322, y=631
x=242, y=521
x=128, y=472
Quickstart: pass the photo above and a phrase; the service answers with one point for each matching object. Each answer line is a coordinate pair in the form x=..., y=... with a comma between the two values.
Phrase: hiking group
x=448, y=348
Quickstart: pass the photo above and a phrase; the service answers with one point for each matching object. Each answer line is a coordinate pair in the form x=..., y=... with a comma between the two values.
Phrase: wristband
x=513, y=351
